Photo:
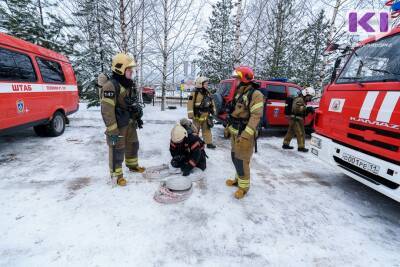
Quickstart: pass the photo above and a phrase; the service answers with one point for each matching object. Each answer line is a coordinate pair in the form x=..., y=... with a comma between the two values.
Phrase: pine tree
x=218, y=61
x=276, y=58
x=24, y=19
x=94, y=55
x=310, y=44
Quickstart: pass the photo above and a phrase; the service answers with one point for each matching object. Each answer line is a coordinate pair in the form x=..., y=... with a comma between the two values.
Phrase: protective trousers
x=127, y=146
x=202, y=126
x=296, y=127
x=241, y=153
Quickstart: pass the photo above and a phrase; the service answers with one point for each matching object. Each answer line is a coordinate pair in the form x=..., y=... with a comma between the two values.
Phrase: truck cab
x=275, y=94
x=358, y=121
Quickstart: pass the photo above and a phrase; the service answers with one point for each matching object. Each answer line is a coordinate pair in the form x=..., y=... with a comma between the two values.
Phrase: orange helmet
x=244, y=74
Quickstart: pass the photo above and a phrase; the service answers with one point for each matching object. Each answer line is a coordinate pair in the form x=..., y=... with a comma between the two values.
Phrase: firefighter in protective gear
x=122, y=114
x=187, y=148
x=296, y=120
x=200, y=109
x=244, y=117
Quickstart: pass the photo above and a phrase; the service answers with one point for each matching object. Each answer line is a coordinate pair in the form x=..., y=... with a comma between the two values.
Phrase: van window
x=293, y=91
x=51, y=71
x=16, y=67
x=224, y=88
x=277, y=92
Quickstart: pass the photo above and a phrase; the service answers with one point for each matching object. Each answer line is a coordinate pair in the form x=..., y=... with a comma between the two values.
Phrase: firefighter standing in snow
x=187, y=148
x=122, y=116
x=244, y=117
x=296, y=120
x=200, y=107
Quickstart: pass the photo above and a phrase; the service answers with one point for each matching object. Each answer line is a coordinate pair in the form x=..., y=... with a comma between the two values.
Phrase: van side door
x=18, y=83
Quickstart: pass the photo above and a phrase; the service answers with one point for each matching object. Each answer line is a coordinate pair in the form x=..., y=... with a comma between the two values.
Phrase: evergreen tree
x=218, y=61
x=309, y=47
x=95, y=53
x=276, y=58
x=24, y=19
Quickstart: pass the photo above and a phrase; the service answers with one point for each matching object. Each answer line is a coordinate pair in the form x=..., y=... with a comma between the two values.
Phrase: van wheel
x=57, y=125
x=40, y=130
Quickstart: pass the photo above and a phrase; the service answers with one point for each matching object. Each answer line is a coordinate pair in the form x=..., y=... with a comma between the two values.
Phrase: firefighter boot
x=240, y=193
x=244, y=185
x=121, y=181
x=302, y=149
x=137, y=169
x=231, y=182
x=211, y=146
x=285, y=146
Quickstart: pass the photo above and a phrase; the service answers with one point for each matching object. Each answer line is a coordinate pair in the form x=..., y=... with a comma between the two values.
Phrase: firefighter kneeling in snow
x=296, y=120
x=244, y=117
x=122, y=114
x=187, y=148
x=200, y=109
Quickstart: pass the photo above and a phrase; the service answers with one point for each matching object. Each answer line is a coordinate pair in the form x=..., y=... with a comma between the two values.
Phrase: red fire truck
x=358, y=121
x=276, y=92
x=37, y=88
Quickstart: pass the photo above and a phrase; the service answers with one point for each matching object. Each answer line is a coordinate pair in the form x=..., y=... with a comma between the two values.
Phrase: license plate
x=365, y=165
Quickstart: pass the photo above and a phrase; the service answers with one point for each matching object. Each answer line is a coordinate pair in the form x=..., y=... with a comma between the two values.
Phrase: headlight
x=315, y=141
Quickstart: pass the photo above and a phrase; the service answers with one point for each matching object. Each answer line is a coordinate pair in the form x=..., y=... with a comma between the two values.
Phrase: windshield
x=375, y=62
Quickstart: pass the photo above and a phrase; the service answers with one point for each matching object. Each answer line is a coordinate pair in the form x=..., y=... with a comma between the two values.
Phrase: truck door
x=275, y=104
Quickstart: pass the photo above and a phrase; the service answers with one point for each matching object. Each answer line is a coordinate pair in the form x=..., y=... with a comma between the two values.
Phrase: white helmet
x=178, y=133
x=200, y=81
x=308, y=91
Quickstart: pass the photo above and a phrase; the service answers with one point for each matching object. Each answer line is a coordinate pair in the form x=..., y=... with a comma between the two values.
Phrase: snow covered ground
x=56, y=208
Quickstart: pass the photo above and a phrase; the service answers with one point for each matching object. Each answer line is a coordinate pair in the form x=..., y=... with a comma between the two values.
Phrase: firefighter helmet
x=200, y=81
x=178, y=133
x=308, y=91
x=244, y=74
x=121, y=62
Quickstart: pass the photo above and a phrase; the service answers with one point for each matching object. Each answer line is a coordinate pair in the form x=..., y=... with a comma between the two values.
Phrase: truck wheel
x=57, y=125
x=40, y=130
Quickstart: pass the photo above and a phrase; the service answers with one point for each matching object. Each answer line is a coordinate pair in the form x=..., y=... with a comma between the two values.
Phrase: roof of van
x=17, y=43
x=379, y=36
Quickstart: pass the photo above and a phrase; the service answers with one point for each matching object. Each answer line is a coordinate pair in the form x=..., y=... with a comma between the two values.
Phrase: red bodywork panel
x=28, y=103
x=365, y=117
x=274, y=113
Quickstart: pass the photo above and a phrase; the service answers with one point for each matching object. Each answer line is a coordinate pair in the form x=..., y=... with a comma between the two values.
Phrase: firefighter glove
x=114, y=139
x=140, y=123
x=186, y=169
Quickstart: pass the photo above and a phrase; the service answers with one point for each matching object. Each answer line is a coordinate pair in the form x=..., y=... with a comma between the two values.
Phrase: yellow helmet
x=178, y=133
x=200, y=81
x=121, y=62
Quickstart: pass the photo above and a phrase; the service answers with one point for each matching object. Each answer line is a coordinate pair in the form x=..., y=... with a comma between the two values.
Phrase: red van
x=148, y=94
x=358, y=122
x=37, y=88
x=275, y=91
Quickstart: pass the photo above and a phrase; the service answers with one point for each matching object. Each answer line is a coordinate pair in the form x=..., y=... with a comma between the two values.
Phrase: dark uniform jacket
x=115, y=111
x=188, y=154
